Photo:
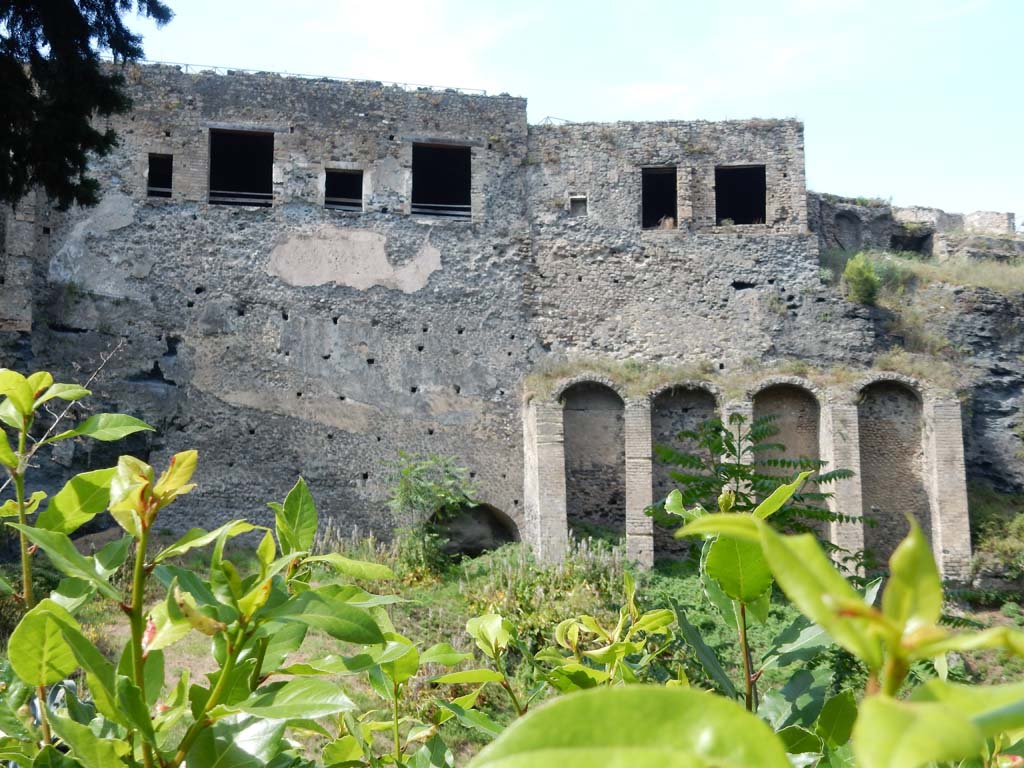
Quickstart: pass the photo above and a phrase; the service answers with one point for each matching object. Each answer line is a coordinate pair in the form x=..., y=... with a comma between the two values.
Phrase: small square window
x=578, y=206
x=343, y=190
x=158, y=178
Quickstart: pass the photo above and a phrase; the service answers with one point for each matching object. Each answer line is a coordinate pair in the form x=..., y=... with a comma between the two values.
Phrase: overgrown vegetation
x=305, y=666
x=997, y=531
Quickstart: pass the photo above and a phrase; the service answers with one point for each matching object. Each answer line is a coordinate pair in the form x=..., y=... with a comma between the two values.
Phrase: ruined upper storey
x=363, y=147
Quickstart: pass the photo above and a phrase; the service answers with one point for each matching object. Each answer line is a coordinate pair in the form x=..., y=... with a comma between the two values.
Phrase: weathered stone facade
x=295, y=338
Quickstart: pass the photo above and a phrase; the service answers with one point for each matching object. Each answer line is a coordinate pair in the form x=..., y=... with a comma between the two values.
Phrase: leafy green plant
x=862, y=282
x=741, y=458
x=425, y=492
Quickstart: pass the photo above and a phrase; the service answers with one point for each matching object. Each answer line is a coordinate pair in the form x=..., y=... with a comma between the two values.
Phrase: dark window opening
x=158, y=180
x=343, y=190
x=740, y=194
x=241, y=168
x=441, y=181
x=908, y=241
x=577, y=207
x=658, y=192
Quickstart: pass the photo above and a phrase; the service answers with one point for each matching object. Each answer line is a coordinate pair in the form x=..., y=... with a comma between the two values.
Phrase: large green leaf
x=472, y=718
x=835, y=723
x=403, y=667
x=799, y=701
x=470, y=676
x=296, y=520
x=7, y=457
x=705, y=654
x=807, y=576
x=357, y=569
x=443, y=654
x=49, y=757
x=338, y=619
x=995, y=709
x=303, y=697
x=739, y=568
x=68, y=392
x=67, y=559
x=491, y=633
x=197, y=537
x=37, y=650
x=778, y=498
x=899, y=734
x=913, y=594
x=18, y=390
x=636, y=726
x=734, y=525
x=105, y=427
x=85, y=746
x=238, y=741
x=82, y=498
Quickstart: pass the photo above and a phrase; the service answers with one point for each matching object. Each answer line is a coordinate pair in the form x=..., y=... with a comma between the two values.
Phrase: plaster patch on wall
x=354, y=258
x=107, y=273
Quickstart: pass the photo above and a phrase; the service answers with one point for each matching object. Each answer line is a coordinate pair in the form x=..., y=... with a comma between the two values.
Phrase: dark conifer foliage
x=53, y=83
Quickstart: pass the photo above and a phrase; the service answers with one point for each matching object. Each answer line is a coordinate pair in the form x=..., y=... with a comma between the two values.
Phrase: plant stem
x=893, y=675
x=398, y=740
x=500, y=663
x=44, y=721
x=748, y=679
x=19, y=490
x=138, y=623
x=235, y=646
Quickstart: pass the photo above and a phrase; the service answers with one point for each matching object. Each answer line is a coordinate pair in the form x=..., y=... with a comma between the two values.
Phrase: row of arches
x=890, y=443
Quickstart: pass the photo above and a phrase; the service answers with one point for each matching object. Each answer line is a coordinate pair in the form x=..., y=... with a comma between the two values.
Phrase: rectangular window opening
x=740, y=194
x=158, y=178
x=241, y=168
x=441, y=181
x=343, y=190
x=577, y=206
x=658, y=193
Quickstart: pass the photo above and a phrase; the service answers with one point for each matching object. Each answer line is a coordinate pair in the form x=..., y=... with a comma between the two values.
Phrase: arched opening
x=891, y=465
x=849, y=235
x=673, y=411
x=796, y=415
x=595, y=459
x=474, y=530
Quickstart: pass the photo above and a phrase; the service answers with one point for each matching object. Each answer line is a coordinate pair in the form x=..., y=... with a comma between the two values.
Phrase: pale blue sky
x=920, y=101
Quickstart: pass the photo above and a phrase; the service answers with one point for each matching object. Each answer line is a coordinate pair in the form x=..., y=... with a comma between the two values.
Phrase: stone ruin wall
x=294, y=339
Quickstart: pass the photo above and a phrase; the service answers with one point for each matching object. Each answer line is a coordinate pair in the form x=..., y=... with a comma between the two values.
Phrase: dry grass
x=634, y=377
x=923, y=367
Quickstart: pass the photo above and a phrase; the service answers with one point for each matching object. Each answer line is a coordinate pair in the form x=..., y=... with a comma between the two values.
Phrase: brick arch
x=918, y=388
x=593, y=414
x=799, y=382
x=474, y=530
x=796, y=406
x=675, y=407
x=559, y=390
x=890, y=421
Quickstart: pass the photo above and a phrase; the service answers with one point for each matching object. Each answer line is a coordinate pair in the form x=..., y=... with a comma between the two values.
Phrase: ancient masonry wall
x=297, y=339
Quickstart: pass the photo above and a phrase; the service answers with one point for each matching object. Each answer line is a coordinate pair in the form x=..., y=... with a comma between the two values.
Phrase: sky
x=916, y=101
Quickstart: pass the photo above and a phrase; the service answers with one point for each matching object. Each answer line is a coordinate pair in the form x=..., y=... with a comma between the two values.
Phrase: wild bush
x=862, y=281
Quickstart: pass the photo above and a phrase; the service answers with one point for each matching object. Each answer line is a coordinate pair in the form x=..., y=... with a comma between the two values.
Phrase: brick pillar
x=544, y=481
x=839, y=436
x=946, y=480
x=639, y=494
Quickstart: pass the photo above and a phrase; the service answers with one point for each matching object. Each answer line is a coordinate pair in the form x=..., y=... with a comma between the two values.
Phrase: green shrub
x=862, y=281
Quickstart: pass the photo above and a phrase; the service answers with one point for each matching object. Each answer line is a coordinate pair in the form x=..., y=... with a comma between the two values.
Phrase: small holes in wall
x=378, y=438
x=425, y=329
x=472, y=475
x=200, y=289
x=512, y=336
x=510, y=354
x=366, y=475
x=239, y=311
x=252, y=430
x=334, y=319
x=298, y=394
x=46, y=230
x=330, y=436
x=414, y=390
x=370, y=361
x=419, y=347
x=341, y=397
x=430, y=431
x=190, y=304
x=579, y=278
x=327, y=356
x=515, y=502
x=458, y=389
x=460, y=330
x=284, y=315
x=167, y=134
x=391, y=137
x=374, y=323
x=721, y=366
